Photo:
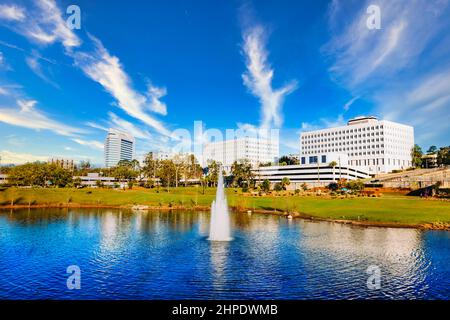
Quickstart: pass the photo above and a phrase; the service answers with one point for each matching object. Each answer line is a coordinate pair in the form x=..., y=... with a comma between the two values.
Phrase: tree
x=288, y=160
x=213, y=172
x=193, y=170
x=241, y=172
x=167, y=173
x=265, y=186
x=285, y=182
x=443, y=157
x=355, y=185
x=83, y=168
x=278, y=187
x=432, y=150
x=58, y=176
x=180, y=164
x=333, y=164
x=40, y=174
x=265, y=164
x=77, y=182
x=124, y=171
x=151, y=166
x=416, y=156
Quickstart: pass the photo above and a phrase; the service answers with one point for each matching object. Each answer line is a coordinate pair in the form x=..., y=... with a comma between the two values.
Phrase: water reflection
x=164, y=255
x=219, y=253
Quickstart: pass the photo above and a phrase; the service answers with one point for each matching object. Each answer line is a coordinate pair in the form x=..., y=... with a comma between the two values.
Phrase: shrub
x=355, y=185
x=333, y=186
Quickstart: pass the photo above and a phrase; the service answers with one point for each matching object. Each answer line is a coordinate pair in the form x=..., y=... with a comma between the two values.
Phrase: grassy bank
x=397, y=209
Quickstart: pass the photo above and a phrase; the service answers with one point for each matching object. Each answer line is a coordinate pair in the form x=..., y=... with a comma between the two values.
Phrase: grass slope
x=398, y=209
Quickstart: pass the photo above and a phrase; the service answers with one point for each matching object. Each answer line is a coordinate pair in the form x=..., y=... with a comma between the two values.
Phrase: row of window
x=340, y=132
x=314, y=159
x=351, y=137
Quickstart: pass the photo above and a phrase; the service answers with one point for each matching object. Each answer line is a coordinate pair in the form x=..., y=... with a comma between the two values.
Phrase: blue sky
x=156, y=66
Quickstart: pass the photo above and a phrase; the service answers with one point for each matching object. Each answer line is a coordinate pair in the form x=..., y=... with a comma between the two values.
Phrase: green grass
x=386, y=209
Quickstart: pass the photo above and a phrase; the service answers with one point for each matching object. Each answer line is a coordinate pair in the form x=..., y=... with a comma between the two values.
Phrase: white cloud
x=348, y=104
x=27, y=116
x=323, y=123
x=89, y=143
x=52, y=27
x=35, y=66
x=105, y=69
x=258, y=78
x=3, y=91
x=45, y=26
x=96, y=126
x=155, y=94
x=12, y=12
x=360, y=54
x=423, y=103
x=401, y=69
x=128, y=127
x=9, y=157
x=3, y=64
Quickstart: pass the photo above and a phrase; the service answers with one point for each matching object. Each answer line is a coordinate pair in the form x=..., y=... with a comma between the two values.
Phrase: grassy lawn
x=387, y=209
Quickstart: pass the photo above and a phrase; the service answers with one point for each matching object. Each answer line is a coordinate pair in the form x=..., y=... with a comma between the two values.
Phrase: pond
x=166, y=255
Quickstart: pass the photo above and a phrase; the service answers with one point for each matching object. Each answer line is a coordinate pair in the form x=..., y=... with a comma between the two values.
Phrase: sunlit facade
x=376, y=146
x=119, y=146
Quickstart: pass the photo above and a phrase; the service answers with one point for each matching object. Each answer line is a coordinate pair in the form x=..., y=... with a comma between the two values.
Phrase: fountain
x=220, y=219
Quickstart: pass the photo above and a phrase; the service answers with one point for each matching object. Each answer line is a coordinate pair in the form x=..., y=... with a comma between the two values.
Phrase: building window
x=303, y=160
x=313, y=160
x=324, y=159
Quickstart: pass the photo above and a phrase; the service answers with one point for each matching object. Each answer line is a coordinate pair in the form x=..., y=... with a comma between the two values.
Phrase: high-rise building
x=119, y=146
x=67, y=164
x=376, y=146
x=255, y=150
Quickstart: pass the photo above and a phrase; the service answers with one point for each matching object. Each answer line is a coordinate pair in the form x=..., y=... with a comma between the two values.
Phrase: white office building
x=315, y=171
x=375, y=146
x=255, y=150
x=119, y=146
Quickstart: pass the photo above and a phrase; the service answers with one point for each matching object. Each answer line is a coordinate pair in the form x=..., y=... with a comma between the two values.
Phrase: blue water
x=162, y=255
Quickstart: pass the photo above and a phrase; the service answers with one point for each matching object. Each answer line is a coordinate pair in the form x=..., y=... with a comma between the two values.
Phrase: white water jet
x=220, y=219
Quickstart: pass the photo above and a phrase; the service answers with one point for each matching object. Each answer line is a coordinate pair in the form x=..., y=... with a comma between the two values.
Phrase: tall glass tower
x=119, y=145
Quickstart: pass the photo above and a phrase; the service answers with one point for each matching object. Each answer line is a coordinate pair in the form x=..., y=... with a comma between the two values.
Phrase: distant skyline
x=152, y=67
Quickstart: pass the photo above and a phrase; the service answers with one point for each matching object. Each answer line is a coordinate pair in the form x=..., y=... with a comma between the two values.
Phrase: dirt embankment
x=293, y=215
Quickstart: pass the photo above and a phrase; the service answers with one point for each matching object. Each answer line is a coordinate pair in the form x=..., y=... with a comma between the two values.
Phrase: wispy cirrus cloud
x=35, y=66
x=107, y=70
x=154, y=95
x=11, y=12
x=399, y=68
x=25, y=114
x=45, y=26
x=259, y=75
x=349, y=103
x=127, y=126
x=359, y=54
x=94, y=144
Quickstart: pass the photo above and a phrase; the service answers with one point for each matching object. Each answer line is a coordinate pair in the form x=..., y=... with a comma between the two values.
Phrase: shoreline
x=294, y=215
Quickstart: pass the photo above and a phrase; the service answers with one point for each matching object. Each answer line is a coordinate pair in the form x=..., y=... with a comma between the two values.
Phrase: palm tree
x=333, y=164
